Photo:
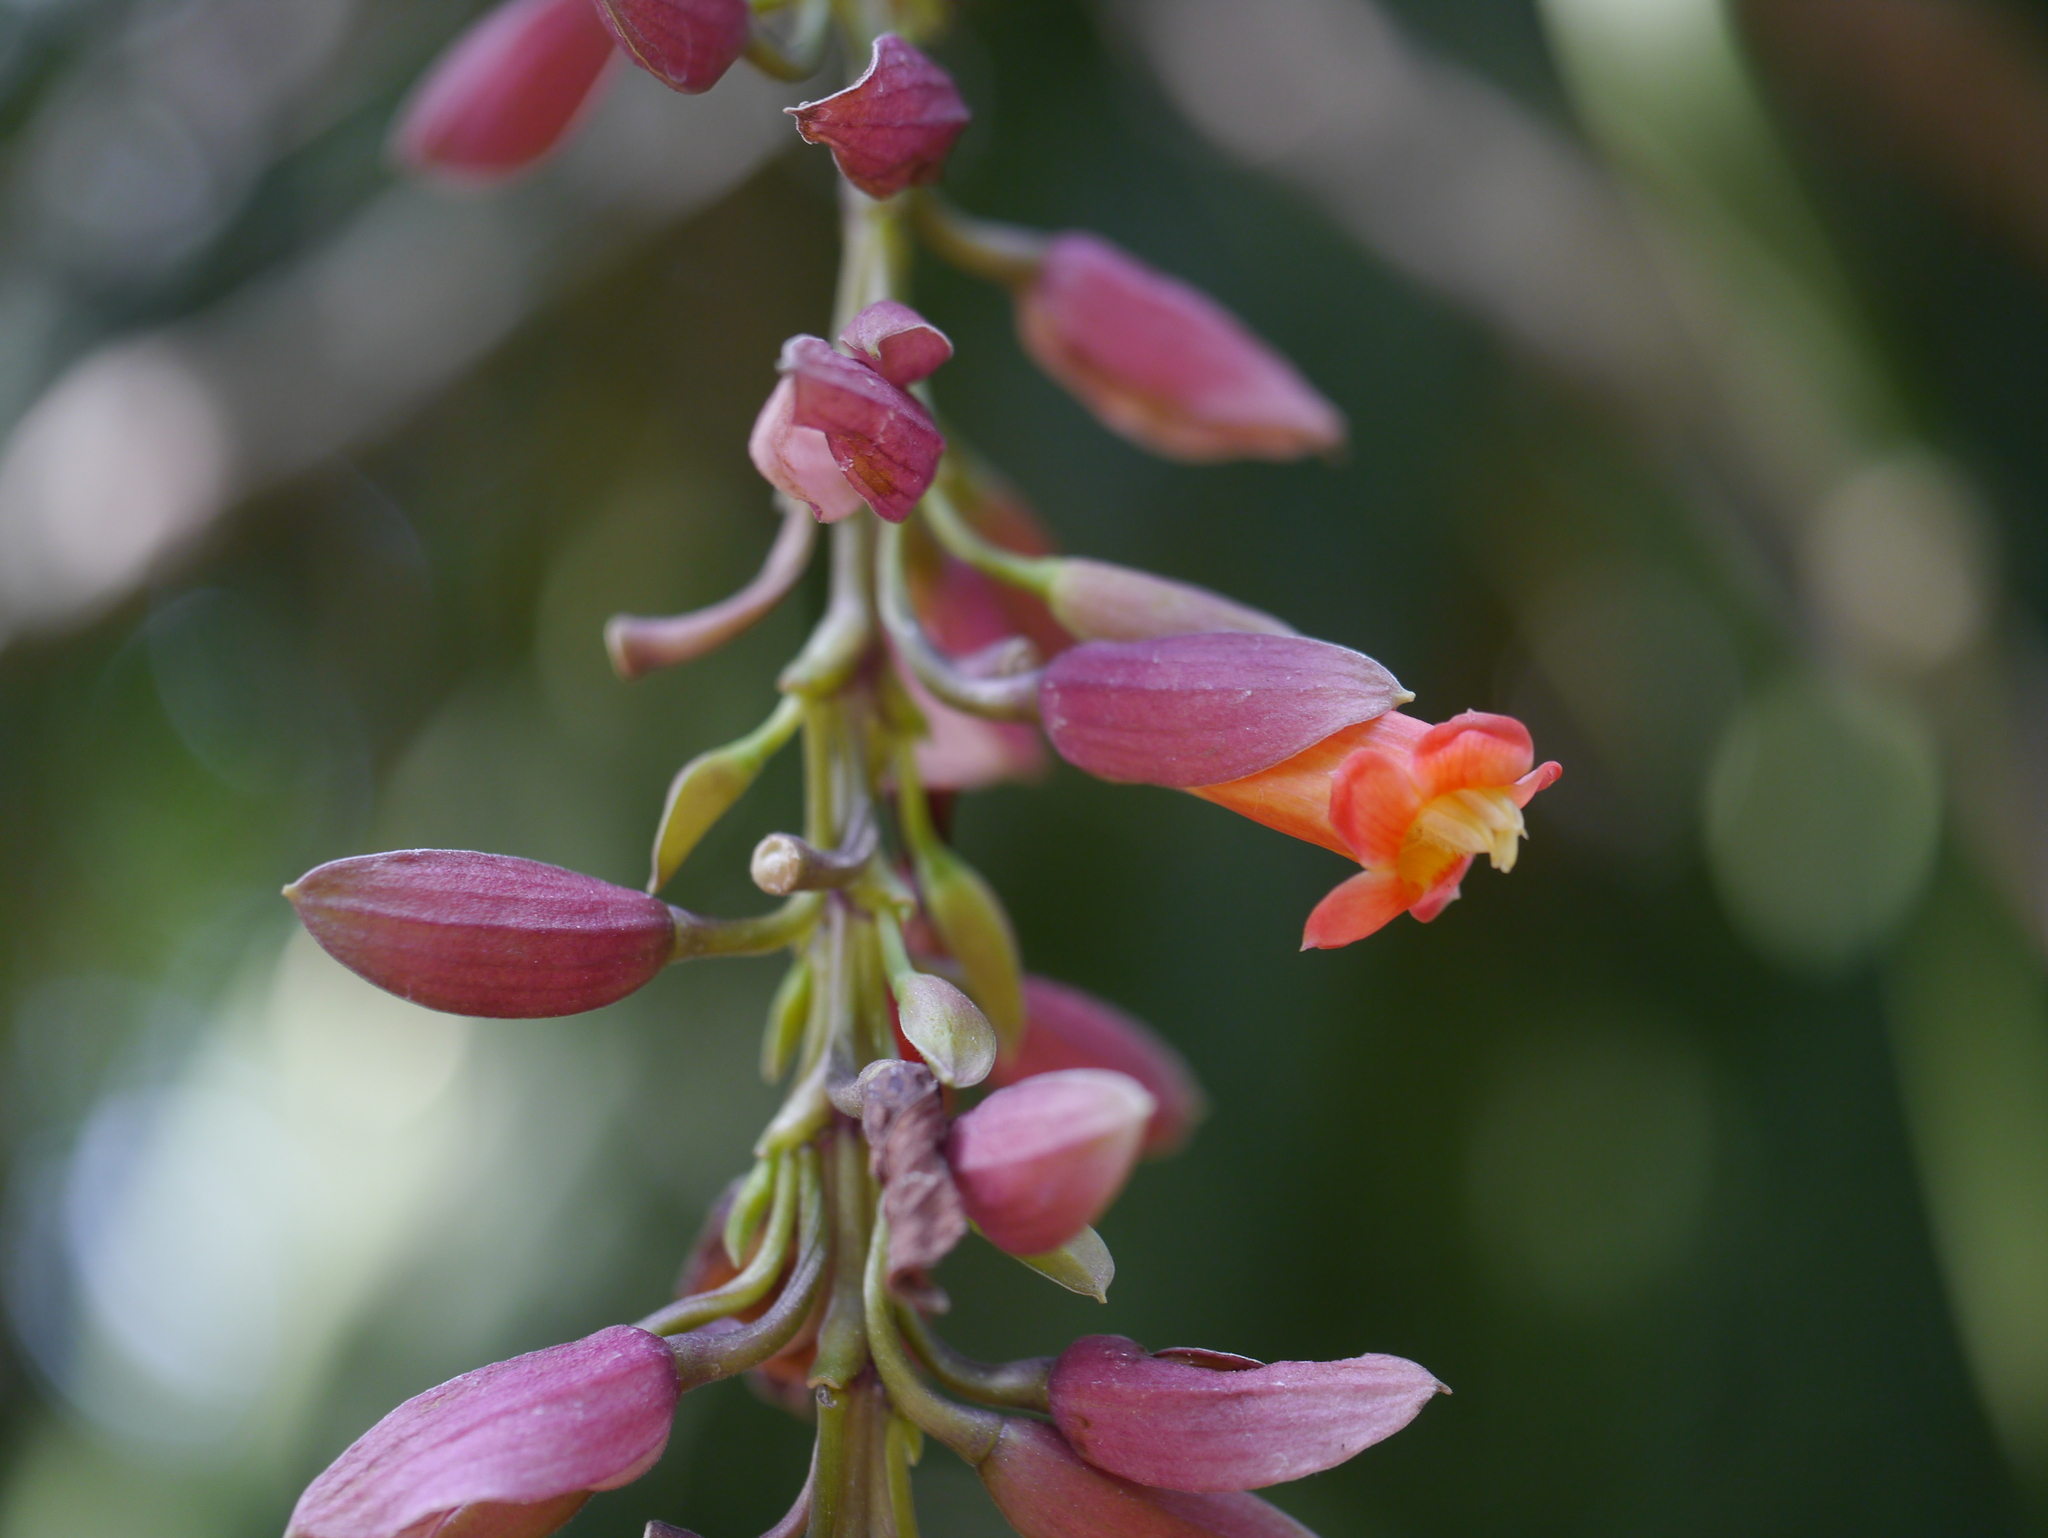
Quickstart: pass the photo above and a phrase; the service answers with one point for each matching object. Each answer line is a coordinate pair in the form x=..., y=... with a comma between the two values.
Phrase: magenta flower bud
x=1044, y=1490
x=896, y=342
x=485, y=934
x=798, y=460
x=1163, y=363
x=1200, y=1420
x=893, y=127
x=1194, y=710
x=685, y=44
x=506, y=92
x=883, y=442
x=1038, y=1162
x=508, y=1451
x=1066, y=1028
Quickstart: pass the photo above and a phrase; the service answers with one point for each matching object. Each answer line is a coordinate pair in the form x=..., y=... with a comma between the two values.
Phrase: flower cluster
x=934, y=1089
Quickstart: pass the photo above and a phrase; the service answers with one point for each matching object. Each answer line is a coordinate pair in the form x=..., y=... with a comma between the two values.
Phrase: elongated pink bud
x=1097, y=601
x=485, y=934
x=1163, y=363
x=508, y=1451
x=883, y=442
x=506, y=92
x=685, y=44
x=896, y=342
x=1203, y=1421
x=1202, y=709
x=893, y=127
x=1045, y=1490
x=798, y=460
x=1066, y=1028
x=1038, y=1162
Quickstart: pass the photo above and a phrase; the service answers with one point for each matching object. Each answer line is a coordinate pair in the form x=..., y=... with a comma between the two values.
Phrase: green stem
x=1034, y=574
x=751, y=1285
x=1007, y=254
x=970, y=1433
x=1010, y=698
x=763, y=935
x=1013, y=1385
x=797, y=56
x=900, y=1451
x=842, y=1340
x=847, y=628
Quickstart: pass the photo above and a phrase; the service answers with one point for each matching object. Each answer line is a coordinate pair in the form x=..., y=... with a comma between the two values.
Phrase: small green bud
x=788, y=1013
x=709, y=784
x=953, y=1037
x=749, y=1208
x=1082, y=1265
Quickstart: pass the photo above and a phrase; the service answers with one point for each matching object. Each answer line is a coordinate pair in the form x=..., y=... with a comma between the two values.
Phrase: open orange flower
x=1413, y=803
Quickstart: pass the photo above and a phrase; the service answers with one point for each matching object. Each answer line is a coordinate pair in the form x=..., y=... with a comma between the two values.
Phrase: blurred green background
x=1694, y=360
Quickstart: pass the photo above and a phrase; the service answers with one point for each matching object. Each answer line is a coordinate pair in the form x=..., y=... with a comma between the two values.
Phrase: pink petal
x=798, y=460
x=1443, y=894
x=1066, y=1028
x=882, y=441
x=1367, y=902
x=1197, y=710
x=1473, y=751
x=897, y=342
x=1163, y=363
x=1038, y=1162
x=1044, y=1490
x=485, y=934
x=538, y=1430
x=1542, y=777
x=685, y=44
x=1186, y=1426
x=1373, y=802
x=893, y=127
x=506, y=92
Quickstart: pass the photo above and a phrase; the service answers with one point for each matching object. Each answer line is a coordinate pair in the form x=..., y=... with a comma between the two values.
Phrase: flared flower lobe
x=1045, y=1490
x=1038, y=1162
x=687, y=45
x=894, y=127
x=1164, y=364
x=1204, y=1421
x=506, y=92
x=485, y=934
x=508, y=1451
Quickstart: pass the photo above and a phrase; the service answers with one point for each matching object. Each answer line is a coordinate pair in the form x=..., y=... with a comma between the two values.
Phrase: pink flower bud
x=1097, y=601
x=896, y=342
x=1038, y=1162
x=1066, y=1028
x=1201, y=709
x=798, y=460
x=882, y=441
x=893, y=127
x=508, y=1451
x=1163, y=363
x=1204, y=1421
x=685, y=44
x=1044, y=1490
x=506, y=92
x=485, y=934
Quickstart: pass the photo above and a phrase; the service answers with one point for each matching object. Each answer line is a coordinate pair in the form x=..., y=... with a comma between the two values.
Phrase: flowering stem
x=1007, y=254
x=746, y=1289
x=698, y=936
x=1011, y=698
x=1034, y=574
x=970, y=1433
x=1014, y=1385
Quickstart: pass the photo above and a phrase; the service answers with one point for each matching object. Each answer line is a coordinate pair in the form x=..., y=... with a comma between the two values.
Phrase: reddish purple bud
x=508, y=1451
x=883, y=442
x=685, y=44
x=897, y=342
x=485, y=934
x=506, y=92
x=1038, y=1162
x=1163, y=363
x=1045, y=1490
x=893, y=127
x=798, y=460
x=1205, y=1421
x=1202, y=709
x=1066, y=1028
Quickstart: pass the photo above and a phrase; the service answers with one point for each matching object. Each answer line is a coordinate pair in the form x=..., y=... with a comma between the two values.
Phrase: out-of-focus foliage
x=1693, y=365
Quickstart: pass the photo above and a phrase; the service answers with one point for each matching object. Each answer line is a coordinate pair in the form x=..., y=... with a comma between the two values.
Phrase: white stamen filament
x=1472, y=822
